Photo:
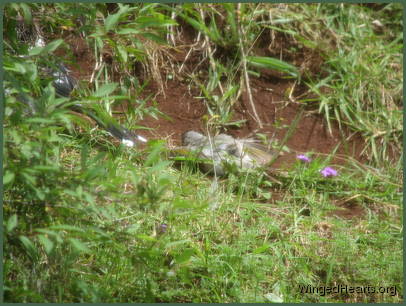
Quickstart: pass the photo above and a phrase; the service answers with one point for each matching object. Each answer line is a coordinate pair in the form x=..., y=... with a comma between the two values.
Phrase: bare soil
x=270, y=94
x=275, y=112
x=275, y=99
x=348, y=210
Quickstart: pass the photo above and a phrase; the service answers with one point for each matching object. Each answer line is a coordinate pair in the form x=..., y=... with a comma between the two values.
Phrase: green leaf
x=79, y=246
x=26, y=12
x=198, y=25
x=105, y=90
x=16, y=67
x=125, y=31
x=84, y=155
x=159, y=166
x=157, y=148
x=44, y=168
x=215, y=32
x=272, y=63
x=56, y=235
x=261, y=249
x=40, y=120
x=184, y=256
x=123, y=53
x=231, y=19
x=154, y=37
x=146, y=237
x=8, y=177
x=66, y=227
x=47, y=243
x=99, y=42
x=52, y=46
x=254, y=73
x=29, y=247
x=30, y=179
x=181, y=203
x=174, y=244
x=112, y=20
x=11, y=223
x=40, y=194
x=133, y=229
x=154, y=21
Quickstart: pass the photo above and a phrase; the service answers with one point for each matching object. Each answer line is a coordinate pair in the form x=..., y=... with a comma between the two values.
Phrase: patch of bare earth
x=347, y=209
x=276, y=102
x=183, y=110
x=275, y=111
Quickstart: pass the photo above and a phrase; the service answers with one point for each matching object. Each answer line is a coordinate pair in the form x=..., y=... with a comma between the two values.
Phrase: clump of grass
x=227, y=34
x=362, y=87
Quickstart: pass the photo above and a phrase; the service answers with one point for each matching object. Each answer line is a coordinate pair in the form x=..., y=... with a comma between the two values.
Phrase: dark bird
x=64, y=84
x=30, y=35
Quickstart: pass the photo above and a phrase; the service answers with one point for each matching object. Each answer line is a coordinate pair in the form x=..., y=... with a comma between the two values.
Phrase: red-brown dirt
x=276, y=99
x=347, y=209
x=185, y=113
x=273, y=108
x=79, y=56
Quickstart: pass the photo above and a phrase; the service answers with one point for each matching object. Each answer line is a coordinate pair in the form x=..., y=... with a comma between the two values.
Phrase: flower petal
x=328, y=171
x=303, y=158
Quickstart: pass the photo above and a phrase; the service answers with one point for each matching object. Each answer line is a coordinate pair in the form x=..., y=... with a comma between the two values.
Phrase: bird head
x=193, y=138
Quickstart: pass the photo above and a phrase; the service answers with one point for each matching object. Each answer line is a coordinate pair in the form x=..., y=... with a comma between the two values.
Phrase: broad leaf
x=272, y=63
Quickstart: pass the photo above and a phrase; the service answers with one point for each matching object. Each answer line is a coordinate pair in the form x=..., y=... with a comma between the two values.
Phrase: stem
x=246, y=77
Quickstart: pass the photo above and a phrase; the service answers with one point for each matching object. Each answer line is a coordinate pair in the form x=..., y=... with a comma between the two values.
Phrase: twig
x=97, y=66
x=271, y=178
x=171, y=30
x=189, y=52
x=246, y=77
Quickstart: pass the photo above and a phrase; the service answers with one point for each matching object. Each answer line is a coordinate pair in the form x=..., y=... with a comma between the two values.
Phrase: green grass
x=236, y=252
x=363, y=63
x=84, y=219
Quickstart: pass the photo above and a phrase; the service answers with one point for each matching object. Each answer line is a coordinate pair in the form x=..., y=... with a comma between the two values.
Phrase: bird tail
x=107, y=122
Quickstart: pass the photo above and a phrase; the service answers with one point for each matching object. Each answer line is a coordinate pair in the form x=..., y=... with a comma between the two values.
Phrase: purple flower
x=162, y=228
x=328, y=171
x=303, y=158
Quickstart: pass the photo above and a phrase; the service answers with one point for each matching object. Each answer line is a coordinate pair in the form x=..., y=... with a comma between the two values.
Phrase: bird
x=224, y=150
x=64, y=84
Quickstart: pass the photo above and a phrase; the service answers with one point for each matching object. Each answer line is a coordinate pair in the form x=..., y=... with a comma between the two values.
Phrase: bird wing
x=258, y=152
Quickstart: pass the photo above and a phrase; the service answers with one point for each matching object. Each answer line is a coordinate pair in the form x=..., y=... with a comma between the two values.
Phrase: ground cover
x=87, y=219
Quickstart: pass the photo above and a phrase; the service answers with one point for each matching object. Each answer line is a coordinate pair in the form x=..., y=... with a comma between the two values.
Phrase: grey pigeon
x=224, y=149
